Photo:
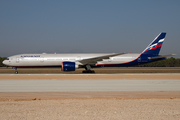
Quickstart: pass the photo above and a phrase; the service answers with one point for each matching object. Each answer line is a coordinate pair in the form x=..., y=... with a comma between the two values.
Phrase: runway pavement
x=88, y=85
x=147, y=76
x=48, y=86
x=82, y=96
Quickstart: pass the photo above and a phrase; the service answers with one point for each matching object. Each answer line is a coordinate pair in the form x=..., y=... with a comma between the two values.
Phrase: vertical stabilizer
x=155, y=46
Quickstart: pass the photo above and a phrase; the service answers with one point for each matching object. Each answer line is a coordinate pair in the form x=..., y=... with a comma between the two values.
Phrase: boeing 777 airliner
x=71, y=62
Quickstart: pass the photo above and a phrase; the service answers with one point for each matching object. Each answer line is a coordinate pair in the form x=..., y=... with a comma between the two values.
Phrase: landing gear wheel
x=92, y=71
x=88, y=71
x=15, y=68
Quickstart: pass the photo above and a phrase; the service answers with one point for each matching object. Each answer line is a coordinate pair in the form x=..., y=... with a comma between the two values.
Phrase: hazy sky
x=82, y=26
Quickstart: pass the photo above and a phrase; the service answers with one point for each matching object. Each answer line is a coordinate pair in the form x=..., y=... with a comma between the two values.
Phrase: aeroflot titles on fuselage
x=31, y=56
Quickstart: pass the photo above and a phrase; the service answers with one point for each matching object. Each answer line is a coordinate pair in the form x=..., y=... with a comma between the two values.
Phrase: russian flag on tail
x=154, y=47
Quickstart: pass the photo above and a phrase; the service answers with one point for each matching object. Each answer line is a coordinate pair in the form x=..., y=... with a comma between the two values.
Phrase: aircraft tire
x=88, y=71
x=92, y=71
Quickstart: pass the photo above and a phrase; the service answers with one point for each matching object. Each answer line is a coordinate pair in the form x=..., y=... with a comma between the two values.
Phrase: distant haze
x=81, y=26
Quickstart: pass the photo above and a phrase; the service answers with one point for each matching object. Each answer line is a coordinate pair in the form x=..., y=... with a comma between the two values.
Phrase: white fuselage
x=28, y=60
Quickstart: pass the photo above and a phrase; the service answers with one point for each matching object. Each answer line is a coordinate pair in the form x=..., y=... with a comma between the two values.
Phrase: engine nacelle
x=68, y=66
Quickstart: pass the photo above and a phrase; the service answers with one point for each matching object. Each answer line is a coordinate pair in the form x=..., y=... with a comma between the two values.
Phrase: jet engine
x=69, y=66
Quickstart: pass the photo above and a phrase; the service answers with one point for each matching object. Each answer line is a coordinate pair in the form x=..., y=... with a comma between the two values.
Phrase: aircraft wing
x=96, y=59
x=163, y=56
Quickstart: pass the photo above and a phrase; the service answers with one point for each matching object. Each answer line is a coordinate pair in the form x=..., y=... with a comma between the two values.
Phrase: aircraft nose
x=5, y=62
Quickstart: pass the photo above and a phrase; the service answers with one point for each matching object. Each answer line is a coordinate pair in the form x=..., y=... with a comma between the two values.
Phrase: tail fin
x=155, y=46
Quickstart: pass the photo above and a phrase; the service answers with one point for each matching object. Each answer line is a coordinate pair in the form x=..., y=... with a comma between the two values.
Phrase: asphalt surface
x=88, y=85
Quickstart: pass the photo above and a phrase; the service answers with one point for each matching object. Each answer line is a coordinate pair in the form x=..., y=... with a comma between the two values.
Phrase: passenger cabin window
x=7, y=58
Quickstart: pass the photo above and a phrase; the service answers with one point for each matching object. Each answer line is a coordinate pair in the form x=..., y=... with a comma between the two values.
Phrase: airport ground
x=131, y=105
x=97, y=70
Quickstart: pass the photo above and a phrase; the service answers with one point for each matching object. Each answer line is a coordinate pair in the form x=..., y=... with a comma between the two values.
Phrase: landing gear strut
x=88, y=69
x=15, y=68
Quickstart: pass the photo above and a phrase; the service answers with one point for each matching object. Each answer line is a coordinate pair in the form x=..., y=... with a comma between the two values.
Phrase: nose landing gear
x=15, y=68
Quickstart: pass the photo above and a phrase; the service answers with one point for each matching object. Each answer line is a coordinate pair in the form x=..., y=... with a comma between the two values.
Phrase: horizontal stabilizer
x=163, y=56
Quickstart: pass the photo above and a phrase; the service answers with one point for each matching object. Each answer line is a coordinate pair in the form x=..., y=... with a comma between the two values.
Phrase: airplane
x=71, y=62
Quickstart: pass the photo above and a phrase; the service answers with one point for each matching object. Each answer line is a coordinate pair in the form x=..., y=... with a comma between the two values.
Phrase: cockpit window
x=7, y=58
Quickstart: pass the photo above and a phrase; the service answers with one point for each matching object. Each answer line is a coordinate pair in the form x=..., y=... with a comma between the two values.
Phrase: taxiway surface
x=88, y=85
x=50, y=86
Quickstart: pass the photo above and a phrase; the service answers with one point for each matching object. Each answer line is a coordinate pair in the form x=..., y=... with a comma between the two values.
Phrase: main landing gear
x=15, y=68
x=88, y=69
